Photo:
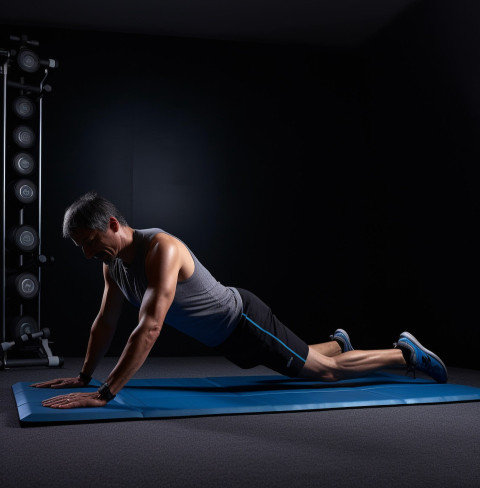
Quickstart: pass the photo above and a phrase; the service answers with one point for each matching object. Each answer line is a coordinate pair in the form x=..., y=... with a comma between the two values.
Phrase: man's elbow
x=148, y=334
x=154, y=332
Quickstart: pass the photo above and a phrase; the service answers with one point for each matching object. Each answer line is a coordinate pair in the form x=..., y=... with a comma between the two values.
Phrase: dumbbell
x=42, y=334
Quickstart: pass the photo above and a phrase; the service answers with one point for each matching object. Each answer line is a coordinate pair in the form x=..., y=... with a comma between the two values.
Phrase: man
x=158, y=273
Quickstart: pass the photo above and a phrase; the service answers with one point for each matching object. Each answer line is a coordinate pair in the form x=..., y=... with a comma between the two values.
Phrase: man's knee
x=318, y=366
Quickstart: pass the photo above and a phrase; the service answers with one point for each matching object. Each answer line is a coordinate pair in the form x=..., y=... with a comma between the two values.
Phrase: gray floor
x=420, y=445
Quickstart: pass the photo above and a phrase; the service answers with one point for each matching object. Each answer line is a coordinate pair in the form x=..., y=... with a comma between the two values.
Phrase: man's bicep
x=162, y=266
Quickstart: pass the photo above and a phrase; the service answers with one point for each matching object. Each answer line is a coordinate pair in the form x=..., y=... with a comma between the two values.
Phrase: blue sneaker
x=341, y=336
x=422, y=359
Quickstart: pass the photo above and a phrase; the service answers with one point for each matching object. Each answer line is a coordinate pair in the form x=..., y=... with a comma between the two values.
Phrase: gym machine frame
x=21, y=280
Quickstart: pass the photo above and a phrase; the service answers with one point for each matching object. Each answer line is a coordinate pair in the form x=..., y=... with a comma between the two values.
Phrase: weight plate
x=24, y=325
x=28, y=61
x=24, y=136
x=26, y=285
x=26, y=238
x=23, y=163
x=23, y=107
x=25, y=191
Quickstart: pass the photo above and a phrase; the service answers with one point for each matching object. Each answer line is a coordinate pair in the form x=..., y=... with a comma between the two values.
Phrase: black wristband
x=85, y=378
x=105, y=393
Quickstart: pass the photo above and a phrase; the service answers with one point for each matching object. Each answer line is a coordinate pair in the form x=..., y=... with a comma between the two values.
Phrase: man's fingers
x=59, y=398
x=57, y=402
x=48, y=384
x=59, y=383
x=62, y=385
x=74, y=400
x=45, y=384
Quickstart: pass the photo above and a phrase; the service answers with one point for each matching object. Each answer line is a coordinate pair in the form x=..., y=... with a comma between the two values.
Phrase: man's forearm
x=133, y=356
x=100, y=339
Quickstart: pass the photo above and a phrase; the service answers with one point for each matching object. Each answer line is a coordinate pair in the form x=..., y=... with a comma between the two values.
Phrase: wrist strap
x=105, y=393
x=85, y=378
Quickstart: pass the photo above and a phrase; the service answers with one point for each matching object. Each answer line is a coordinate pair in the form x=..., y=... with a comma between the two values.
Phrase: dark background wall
x=339, y=185
x=422, y=76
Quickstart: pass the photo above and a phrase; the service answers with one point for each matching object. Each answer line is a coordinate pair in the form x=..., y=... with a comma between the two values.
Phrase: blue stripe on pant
x=276, y=338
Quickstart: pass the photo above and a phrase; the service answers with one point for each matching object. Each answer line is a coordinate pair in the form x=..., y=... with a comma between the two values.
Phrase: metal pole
x=40, y=150
x=4, y=179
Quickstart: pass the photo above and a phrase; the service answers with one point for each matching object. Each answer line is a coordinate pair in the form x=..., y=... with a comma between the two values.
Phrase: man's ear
x=114, y=224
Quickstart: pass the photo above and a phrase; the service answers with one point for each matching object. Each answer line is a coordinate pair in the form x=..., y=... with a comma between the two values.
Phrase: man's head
x=90, y=211
x=93, y=223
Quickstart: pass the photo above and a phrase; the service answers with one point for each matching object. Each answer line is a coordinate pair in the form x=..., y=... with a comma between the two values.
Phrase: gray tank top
x=202, y=307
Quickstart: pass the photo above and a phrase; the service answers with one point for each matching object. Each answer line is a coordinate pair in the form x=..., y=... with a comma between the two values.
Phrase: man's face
x=97, y=244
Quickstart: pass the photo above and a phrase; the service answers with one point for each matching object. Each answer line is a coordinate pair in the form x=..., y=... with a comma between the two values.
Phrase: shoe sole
x=410, y=337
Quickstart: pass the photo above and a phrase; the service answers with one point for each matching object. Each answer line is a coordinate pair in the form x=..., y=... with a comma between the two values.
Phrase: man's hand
x=75, y=400
x=61, y=383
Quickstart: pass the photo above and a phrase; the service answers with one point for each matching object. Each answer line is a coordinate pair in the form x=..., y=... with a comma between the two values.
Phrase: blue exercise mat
x=224, y=395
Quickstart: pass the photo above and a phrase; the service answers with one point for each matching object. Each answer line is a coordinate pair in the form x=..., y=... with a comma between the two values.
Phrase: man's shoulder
x=163, y=240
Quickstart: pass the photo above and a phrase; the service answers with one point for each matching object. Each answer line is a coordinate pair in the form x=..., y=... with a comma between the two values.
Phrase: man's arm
x=163, y=263
x=162, y=266
x=104, y=325
x=101, y=334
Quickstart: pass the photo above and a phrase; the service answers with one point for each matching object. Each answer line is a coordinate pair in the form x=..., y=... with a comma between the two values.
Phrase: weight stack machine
x=23, y=74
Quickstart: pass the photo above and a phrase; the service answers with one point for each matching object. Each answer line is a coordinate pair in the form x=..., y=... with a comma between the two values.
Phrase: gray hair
x=90, y=211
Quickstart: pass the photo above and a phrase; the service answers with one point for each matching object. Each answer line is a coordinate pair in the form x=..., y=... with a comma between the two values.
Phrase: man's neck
x=127, y=248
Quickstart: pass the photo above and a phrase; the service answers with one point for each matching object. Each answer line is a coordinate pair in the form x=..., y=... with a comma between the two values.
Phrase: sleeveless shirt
x=202, y=308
